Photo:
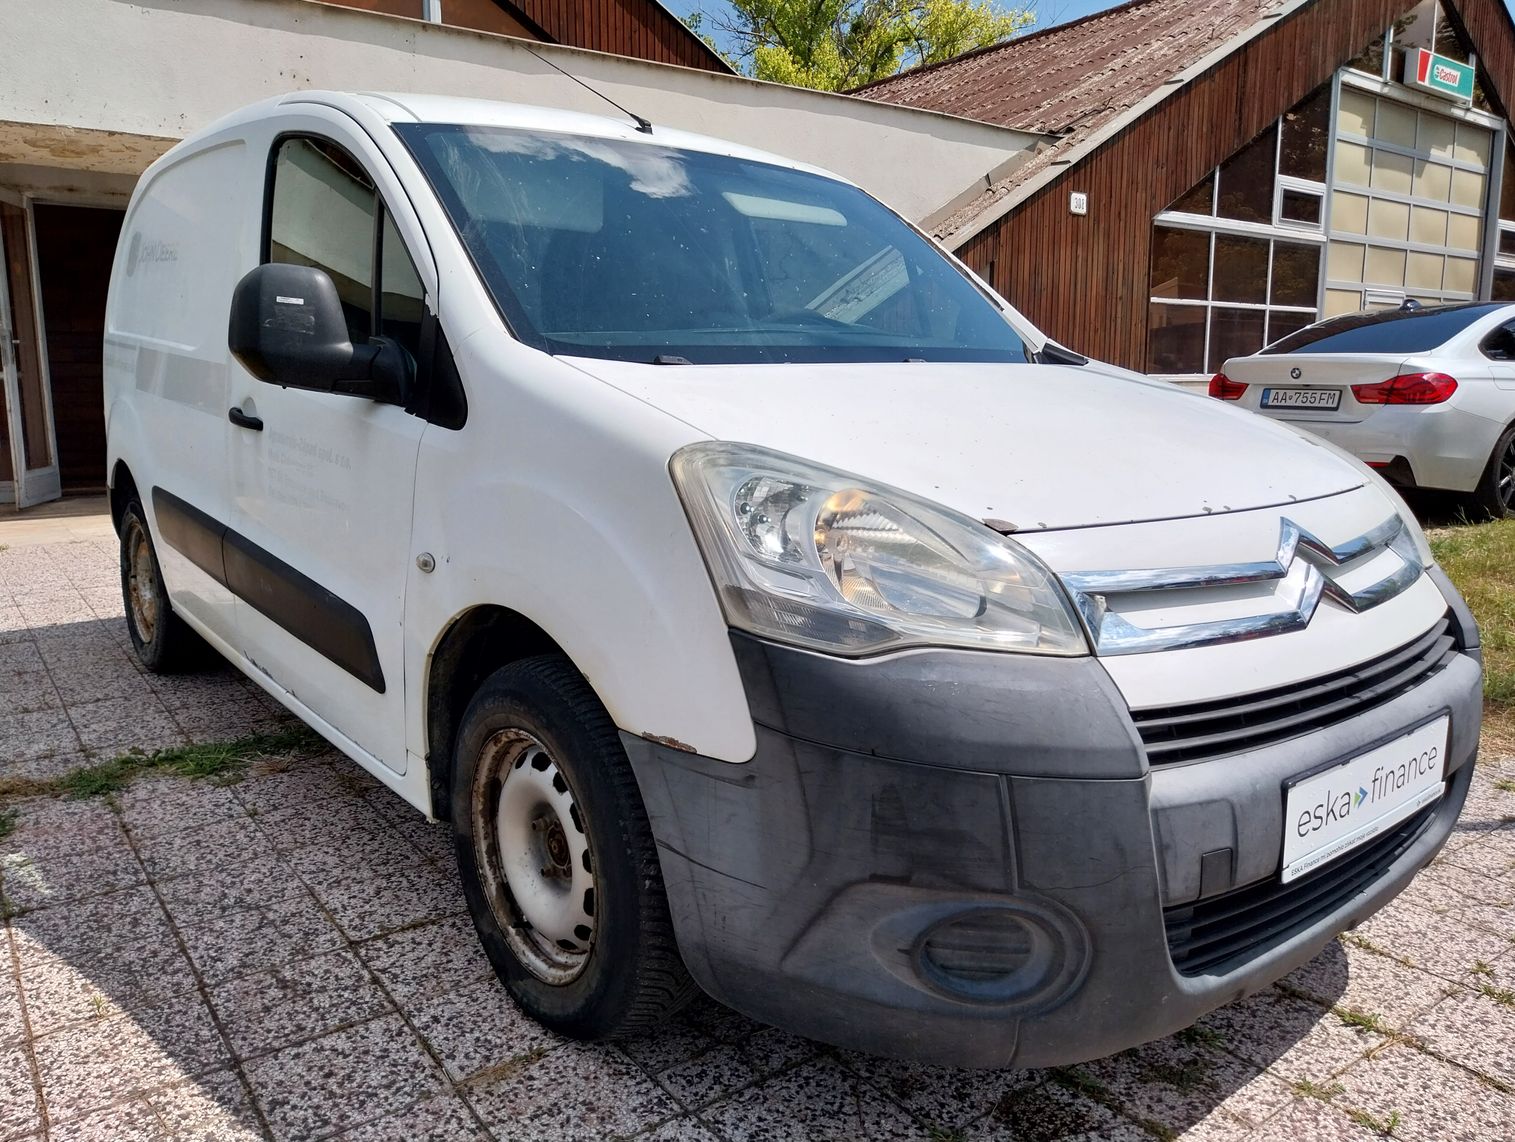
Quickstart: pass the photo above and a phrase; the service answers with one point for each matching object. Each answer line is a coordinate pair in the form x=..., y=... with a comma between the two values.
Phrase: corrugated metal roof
x=1075, y=79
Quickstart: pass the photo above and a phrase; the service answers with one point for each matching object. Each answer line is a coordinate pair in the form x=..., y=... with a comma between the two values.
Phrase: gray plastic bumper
x=889, y=796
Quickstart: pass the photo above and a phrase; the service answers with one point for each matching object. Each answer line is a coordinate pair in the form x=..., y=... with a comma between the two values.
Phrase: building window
x=1217, y=295
x=1236, y=259
x=1407, y=205
x=1503, y=285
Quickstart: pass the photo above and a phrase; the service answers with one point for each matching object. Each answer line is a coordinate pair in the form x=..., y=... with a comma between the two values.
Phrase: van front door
x=322, y=483
x=30, y=463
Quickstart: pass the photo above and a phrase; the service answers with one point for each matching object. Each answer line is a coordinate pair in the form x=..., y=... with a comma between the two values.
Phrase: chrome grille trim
x=1296, y=568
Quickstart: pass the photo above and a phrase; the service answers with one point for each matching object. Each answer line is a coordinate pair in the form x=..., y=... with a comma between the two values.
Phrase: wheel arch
x=474, y=645
x=123, y=489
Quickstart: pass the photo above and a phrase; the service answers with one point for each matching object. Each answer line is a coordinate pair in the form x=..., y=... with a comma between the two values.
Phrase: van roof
x=403, y=107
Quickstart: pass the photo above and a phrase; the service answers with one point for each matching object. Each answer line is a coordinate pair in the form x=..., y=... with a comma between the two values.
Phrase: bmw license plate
x=1332, y=812
x=1301, y=398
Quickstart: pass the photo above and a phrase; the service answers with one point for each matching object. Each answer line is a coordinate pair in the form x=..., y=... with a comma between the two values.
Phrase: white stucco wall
x=162, y=68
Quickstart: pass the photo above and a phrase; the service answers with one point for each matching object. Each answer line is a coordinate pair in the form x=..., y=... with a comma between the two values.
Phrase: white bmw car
x=1425, y=395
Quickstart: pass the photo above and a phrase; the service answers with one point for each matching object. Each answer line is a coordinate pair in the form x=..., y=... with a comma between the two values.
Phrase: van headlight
x=812, y=556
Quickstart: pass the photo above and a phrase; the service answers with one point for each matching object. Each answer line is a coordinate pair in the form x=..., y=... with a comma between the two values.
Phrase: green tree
x=836, y=45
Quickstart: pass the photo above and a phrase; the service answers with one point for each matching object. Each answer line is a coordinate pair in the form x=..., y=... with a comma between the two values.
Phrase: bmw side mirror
x=287, y=328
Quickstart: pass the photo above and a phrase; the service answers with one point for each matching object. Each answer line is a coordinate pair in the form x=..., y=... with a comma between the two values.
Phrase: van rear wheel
x=163, y=642
x=557, y=857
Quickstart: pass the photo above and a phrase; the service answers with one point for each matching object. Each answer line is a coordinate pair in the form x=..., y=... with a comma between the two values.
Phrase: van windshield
x=635, y=251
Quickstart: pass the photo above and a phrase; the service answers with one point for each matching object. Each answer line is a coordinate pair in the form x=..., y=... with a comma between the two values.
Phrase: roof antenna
x=643, y=125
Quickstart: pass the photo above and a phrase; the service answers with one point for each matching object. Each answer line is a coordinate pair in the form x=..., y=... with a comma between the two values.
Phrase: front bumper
x=889, y=795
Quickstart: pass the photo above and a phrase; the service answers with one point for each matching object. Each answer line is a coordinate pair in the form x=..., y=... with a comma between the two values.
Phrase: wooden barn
x=1222, y=172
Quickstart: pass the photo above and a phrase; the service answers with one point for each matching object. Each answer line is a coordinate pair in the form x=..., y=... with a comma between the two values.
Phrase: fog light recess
x=999, y=955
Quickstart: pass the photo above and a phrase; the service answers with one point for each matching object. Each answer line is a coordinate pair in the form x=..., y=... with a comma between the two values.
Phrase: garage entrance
x=56, y=262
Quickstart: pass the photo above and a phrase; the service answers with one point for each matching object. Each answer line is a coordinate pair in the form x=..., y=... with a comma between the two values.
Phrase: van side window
x=403, y=301
x=323, y=212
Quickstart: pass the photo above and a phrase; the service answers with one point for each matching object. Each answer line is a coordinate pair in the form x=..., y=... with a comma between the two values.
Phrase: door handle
x=242, y=420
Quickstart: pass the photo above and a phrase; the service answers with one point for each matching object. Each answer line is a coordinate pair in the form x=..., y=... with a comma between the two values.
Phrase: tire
x=1494, y=498
x=557, y=857
x=163, y=641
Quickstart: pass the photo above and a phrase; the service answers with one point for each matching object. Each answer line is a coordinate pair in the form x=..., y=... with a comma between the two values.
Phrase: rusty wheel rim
x=537, y=866
x=141, y=584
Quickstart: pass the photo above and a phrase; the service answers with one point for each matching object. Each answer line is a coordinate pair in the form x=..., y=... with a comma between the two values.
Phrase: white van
x=768, y=607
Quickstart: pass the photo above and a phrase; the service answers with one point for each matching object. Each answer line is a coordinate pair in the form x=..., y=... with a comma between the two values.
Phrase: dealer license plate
x=1332, y=812
x=1301, y=398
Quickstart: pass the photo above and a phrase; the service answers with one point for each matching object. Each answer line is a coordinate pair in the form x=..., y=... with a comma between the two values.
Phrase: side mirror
x=287, y=328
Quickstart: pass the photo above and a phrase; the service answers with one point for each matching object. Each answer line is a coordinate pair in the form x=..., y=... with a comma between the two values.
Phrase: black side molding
x=191, y=533
x=329, y=625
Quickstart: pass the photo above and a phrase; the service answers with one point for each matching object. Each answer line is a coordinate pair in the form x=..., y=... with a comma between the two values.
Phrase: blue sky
x=1049, y=12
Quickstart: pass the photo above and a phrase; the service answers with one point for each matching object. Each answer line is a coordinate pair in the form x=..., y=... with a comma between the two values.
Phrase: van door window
x=403, y=301
x=323, y=213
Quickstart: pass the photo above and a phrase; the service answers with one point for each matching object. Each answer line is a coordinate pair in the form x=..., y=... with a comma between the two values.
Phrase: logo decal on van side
x=151, y=252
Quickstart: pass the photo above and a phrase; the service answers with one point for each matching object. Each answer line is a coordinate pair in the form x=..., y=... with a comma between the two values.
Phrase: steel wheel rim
x=141, y=584
x=537, y=866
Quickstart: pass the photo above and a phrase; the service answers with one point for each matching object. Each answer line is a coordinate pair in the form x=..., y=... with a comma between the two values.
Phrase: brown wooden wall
x=1486, y=24
x=641, y=29
x=75, y=246
x=487, y=16
x=1084, y=280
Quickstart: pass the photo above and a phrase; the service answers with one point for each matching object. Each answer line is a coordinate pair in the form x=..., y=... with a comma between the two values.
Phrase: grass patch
x=512, y=1065
x=1362, y=1020
x=1180, y=1076
x=1505, y=785
x=220, y=760
x=1480, y=558
x=1197, y=1036
x=1323, y=1091
x=8, y=820
x=1384, y=1126
x=1500, y=995
x=944, y=1134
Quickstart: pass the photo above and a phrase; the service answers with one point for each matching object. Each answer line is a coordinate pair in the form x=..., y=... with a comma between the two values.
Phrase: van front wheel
x=557, y=857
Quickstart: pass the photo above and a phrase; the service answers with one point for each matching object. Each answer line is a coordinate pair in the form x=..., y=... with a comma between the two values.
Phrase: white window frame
x=1316, y=190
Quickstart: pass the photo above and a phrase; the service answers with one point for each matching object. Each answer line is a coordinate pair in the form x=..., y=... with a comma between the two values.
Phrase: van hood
x=1038, y=446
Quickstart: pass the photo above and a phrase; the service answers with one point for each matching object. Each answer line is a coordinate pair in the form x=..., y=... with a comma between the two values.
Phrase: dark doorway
x=75, y=247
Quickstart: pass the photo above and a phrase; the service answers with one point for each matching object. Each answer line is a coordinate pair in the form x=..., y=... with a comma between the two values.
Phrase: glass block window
x=1406, y=204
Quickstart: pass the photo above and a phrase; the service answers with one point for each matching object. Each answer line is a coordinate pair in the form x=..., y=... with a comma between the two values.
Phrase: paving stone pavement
x=287, y=958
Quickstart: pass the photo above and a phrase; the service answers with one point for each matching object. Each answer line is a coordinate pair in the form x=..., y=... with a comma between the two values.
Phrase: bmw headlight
x=812, y=556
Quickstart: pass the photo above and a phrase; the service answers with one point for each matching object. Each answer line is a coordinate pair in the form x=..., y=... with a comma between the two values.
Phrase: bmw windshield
x=634, y=251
